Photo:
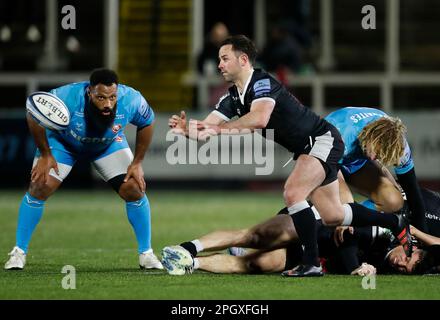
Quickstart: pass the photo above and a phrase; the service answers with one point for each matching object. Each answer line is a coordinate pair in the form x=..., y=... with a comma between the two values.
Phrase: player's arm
x=178, y=123
x=347, y=252
x=143, y=141
x=40, y=172
x=423, y=237
x=143, y=118
x=257, y=118
x=408, y=180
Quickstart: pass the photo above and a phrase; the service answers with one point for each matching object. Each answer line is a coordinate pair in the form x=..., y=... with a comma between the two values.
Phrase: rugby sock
x=29, y=214
x=196, y=263
x=305, y=225
x=192, y=247
x=138, y=213
x=361, y=216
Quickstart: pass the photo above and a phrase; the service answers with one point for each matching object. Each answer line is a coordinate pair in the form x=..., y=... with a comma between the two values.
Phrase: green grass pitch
x=90, y=231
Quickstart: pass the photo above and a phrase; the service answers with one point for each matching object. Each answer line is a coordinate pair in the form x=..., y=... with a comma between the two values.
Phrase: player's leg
x=306, y=176
x=112, y=166
x=377, y=183
x=327, y=202
x=273, y=233
x=312, y=170
x=32, y=205
x=344, y=191
x=255, y=262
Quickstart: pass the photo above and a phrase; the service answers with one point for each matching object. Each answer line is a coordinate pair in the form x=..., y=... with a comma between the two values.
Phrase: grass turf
x=90, y=231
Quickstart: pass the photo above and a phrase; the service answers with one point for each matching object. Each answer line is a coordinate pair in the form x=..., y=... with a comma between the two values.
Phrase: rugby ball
x=48, y=110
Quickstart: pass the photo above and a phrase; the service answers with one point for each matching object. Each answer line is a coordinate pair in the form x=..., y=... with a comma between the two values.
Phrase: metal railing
x=32, y=81
x=318, y=83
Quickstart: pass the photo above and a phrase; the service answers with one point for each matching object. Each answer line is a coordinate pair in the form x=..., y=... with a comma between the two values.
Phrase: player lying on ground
x=278, y=248
x=373, y=141
x=256, y=100
x=100, y=110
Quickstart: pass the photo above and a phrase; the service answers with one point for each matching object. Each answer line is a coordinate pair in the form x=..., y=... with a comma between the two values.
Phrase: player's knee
x=254, y=239
x=40, y=191
x=291, y=196
x=130, y=191
x=333, y=217
x=332, y=221
x=261, y=238
x=393, y=202
x=253, y=265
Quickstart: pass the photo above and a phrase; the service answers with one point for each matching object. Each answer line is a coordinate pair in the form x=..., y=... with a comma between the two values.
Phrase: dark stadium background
x=155, y=50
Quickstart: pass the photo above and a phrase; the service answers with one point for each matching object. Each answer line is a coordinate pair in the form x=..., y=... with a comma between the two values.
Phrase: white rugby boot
x=237, y=251
x=177, y=260
x=17, y=259
x=148, y=260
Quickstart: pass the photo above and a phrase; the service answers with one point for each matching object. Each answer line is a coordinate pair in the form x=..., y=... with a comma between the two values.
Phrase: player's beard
x=96, y=117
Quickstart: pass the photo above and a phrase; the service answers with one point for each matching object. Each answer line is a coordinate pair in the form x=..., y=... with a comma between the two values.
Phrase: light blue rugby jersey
x=350, y=121
x=131, y=108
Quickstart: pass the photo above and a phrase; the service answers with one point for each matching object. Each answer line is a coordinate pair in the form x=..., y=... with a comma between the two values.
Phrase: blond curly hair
x=386, y=138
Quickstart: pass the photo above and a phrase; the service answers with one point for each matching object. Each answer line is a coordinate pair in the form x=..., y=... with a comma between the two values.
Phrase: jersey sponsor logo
x=364, y=115
x=262, y=87
x=79, y=126
x=81, y=139
x=118, y=139
x=116, y=128
x=431, y=216
x=30, y=201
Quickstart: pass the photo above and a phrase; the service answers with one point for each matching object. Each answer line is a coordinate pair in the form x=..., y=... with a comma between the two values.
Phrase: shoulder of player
x=263, y=80
x=125, y=91
x=227, y=98
x=128, y=96
x=72, y=94
x=76, y=88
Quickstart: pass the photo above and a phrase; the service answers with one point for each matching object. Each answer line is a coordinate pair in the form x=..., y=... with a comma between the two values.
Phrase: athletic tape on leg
x=297, y=207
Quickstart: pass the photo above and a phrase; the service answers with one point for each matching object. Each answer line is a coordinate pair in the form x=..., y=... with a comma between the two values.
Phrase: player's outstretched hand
x=338, y=235
x=364, y=270
x=178, y=123
x=136, y=172
x=40, y=173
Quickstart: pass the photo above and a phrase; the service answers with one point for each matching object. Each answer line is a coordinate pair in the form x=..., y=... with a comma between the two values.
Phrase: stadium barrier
x=17, y=150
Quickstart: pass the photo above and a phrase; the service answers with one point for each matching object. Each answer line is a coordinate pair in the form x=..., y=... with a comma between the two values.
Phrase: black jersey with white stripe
x=432, y=214
x=291, y=121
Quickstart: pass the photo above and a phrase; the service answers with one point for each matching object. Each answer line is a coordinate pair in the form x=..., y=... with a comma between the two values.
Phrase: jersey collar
x=242, y=94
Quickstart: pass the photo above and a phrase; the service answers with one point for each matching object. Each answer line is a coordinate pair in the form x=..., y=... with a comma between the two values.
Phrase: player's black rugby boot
x=304, y=270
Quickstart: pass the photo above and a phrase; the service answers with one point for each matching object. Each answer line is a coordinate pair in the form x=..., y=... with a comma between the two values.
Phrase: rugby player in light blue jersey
x=373, y=140
x=99, y=110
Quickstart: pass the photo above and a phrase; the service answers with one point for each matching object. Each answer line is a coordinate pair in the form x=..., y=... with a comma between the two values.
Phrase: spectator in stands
x=208, y=59
x=289, y=40
x=282, y=53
